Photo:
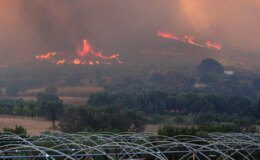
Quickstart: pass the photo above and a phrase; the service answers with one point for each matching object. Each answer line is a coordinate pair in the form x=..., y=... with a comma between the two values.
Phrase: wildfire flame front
x=190, y=40
x=86, y=55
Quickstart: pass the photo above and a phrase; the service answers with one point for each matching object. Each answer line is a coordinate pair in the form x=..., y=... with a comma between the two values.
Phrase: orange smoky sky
x=235, y=22
x=28, y=27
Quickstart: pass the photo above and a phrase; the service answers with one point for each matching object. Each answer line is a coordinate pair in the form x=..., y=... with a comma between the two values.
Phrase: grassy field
x=69, y=95
x=33, y=126
x=79, y=101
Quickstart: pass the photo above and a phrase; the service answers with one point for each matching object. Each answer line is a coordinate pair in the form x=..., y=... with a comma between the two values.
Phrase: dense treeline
x=116, y=119
x=151, y=102
x=47, y=105
x=19, y=108
x=126, y=111
x=154, y=102
x=204, y=129
x=210, y=73
x=220, y=118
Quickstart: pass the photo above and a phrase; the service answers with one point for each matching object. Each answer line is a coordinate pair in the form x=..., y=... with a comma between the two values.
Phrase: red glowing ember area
x=190, y=40
x=85, y=55
x=46, y=56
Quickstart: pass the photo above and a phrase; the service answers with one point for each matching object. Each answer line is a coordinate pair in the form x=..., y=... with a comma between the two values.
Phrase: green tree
x=179, y=120
x=210, y=70
x=215, y=103
x=209, y=65
x=257, y=110
x=51, y=106
x=189, y=103
x=152, y=101
x=17, y=110
x=204, y=119
x=120, y=119
x=173, y=131
x=19, y=130
x=240, y=105
x=212, y=77
x=27, y=110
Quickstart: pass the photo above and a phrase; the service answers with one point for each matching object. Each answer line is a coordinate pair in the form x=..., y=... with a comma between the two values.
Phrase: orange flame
x=46, y=56
x=84, y=56
x=190, y=40
x=78, y=61
x=167, y=35
x=85, y=48
x=213, y=45
x=62, y=61
x=113, y=56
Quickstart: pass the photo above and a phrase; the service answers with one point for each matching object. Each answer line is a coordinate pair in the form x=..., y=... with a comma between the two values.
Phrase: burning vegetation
x=86, y=55
x=190, y=40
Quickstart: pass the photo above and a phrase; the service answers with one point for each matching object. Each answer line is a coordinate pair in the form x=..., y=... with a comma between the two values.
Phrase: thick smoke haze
x=29, y=27
x=234, y=22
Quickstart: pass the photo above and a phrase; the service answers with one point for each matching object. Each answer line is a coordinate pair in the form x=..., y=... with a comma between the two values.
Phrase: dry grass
x=31, y=92
x=79, y=101
x=258, y=127
x=69, y=95
x=151, y=128
x=65, y=91
x=24, y=98
x=33, y=126
x=78, y=91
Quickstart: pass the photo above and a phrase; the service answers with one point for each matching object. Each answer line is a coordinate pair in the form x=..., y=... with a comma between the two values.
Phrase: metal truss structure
x=214, y=146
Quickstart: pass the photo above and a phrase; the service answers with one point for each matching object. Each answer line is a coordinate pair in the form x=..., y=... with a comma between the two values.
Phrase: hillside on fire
x=136, y=79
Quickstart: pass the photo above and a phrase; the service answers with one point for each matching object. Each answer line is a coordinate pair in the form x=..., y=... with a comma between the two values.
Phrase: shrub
x=19, y=130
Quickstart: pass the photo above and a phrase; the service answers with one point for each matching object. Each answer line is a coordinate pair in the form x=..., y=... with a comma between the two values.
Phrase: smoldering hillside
x=31, y=27
x=60, y=25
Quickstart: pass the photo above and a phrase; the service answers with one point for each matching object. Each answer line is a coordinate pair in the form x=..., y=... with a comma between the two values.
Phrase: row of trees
x=105, y=113
x=153, y=102
x=48, y=105
x=118, y=119
x=217, y=118
x=175, y=79
x=72, y=118
x=18, y=107
x=204, y=129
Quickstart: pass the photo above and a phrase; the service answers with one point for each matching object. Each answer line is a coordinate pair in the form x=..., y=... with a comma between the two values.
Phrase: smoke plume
x=29, y=27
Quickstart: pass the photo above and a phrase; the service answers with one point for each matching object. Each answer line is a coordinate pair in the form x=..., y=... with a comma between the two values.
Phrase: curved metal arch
x=131, y=145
